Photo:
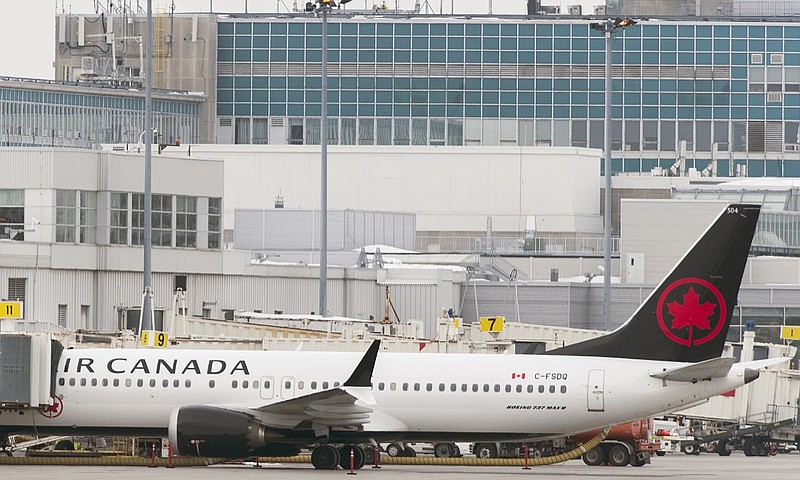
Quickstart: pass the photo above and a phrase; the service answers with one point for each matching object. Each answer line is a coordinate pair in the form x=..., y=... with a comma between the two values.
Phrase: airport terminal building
x=722, y=92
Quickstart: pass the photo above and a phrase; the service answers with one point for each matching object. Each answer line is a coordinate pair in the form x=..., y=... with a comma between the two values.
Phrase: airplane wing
x=333, y=408
x=706, y=370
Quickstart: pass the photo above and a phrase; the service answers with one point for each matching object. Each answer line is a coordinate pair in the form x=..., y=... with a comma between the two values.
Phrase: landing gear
x=325, y=457
x=359, y=457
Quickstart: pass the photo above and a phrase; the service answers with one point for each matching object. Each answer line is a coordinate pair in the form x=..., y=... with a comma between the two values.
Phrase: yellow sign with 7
x=492, y=324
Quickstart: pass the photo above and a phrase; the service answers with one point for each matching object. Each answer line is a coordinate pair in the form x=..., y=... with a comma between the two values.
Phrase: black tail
x=686, y=318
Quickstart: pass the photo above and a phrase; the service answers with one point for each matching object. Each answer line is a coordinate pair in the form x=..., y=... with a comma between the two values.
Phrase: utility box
x=27, y=370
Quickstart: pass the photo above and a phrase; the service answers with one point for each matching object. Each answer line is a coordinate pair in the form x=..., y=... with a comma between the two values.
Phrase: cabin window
x=552, y=389
x=519, y=388
x=71, y=382
x=94, y=382
x=152, y=382
x=486, y=387
x=165, y=383
x=393, y=386
x=563, y=389
x=541, y=388
x=335, y=384
x=83, y=382
x=381, y=385
x=314, y=385
x=176, y=383
x=105, y=382
x=211, y=383
x=441, y=387
x=530, y=388
x=508, y=388
x=187, y=383
x=416, y=387
x=405, y=387
x=475, y=387
x=61, y=382
x=140, y=383
x=429, y=387
x=496, y=388
x=255, y=384
x=235, y=383
x=115, y=382
x=453, y=387
x=128, y=382
x=324, y=385
x=464, y=387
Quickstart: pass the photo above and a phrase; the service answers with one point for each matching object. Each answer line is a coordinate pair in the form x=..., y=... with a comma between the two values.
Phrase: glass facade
x=46, y=113
x=727, y=91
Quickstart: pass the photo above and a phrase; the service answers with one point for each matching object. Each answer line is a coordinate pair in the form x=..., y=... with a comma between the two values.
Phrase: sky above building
x=28, y=28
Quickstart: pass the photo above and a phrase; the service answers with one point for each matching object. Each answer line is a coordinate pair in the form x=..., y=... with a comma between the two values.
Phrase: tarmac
x=704, y=466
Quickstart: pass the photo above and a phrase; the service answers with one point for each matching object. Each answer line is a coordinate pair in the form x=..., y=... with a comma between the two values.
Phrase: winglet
x=362, y=375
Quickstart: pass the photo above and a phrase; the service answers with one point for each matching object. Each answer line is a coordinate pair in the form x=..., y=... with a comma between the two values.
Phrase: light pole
x=146, y=314
x=607, y=28
x=323, y=8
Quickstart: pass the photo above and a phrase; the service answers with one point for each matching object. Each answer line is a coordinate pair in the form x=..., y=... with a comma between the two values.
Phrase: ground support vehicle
x=629, y=443
x=754, y=440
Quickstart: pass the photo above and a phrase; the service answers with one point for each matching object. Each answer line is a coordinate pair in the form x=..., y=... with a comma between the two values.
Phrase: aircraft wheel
x=369, y=454
x=594, y=457
x=619, y=456
x=485, y=450
x=443, y=450
x=359, y=457
x=393, y=450
x=724, y=448
x=325, y=457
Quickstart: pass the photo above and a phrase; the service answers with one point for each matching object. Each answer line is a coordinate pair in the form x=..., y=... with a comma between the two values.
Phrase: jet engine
x=199, y=430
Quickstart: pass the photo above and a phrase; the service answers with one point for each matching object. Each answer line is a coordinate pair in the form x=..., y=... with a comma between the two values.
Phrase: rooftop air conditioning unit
x=575, y=10
x=600, y=10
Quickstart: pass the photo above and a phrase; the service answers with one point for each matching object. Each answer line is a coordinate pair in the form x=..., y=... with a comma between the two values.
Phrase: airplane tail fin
x=686, y=318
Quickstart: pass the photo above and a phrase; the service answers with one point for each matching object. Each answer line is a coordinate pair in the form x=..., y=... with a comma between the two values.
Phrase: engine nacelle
x=199, y=430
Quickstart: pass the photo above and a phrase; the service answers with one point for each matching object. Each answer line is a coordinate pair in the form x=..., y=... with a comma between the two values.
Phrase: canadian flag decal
x=518, y=375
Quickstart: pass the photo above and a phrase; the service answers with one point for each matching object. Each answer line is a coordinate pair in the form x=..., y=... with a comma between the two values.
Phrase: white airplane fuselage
x=416, y=396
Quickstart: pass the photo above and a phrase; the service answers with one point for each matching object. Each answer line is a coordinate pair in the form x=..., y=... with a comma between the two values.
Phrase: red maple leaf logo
x=691, y=313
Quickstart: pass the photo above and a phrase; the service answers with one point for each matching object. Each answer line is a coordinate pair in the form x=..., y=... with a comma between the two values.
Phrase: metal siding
x=249, y=232
x=15, y=369
x=649, y=227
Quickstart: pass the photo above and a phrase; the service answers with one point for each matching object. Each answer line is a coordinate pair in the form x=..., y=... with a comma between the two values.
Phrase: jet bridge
x=28, y=365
